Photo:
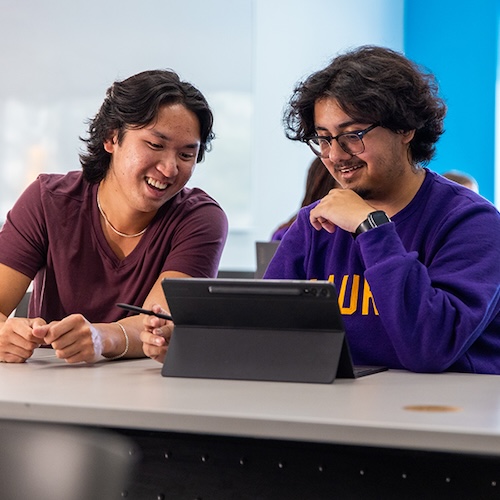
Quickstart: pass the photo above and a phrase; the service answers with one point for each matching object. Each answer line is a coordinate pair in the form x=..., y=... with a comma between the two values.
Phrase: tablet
x=255, y=329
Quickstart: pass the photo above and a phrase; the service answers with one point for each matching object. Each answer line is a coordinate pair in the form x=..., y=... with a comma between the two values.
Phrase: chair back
x=62, y=462
x=22, y=308
x=264, y=252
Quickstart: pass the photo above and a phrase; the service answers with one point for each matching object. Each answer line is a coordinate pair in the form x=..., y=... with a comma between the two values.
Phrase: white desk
x=368, y=412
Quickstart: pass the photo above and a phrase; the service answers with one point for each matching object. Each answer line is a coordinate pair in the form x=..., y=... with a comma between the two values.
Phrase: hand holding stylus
x=140, y=310
x=156, y=332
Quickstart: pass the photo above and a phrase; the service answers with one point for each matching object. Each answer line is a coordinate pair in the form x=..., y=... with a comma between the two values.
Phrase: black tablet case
x=252, y=329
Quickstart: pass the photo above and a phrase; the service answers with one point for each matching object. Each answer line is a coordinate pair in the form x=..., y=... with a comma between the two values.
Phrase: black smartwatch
x=374, y=219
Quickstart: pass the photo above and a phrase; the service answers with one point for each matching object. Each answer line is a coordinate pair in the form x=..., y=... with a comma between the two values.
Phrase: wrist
x=125, y=343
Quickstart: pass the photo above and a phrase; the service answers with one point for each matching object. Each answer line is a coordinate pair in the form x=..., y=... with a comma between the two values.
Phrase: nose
x=336, y=153
x=167, y=166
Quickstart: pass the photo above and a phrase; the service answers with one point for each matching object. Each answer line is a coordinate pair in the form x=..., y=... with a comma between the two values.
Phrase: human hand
x=340, y=208
x=156, y=334
x=17, y=341
x=74, y=339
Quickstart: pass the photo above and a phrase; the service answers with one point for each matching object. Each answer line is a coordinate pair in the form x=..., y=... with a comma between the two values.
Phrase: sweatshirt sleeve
x=436, y=304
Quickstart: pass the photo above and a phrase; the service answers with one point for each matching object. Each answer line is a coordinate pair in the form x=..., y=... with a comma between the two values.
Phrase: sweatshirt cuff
x=380, y=244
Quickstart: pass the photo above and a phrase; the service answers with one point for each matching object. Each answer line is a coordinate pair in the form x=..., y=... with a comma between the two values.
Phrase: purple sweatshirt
x=421, y=293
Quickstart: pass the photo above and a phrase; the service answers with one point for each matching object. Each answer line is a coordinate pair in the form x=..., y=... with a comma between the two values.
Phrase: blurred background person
x=318, y=184
x=462, y=178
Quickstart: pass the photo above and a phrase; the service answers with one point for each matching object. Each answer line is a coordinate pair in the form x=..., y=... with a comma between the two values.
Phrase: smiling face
x=150, y=165
x=381, y=171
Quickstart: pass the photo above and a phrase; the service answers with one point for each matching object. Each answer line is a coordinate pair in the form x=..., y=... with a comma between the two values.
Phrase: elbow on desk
x=433, y=362
x=421, y=353
x=425, y=368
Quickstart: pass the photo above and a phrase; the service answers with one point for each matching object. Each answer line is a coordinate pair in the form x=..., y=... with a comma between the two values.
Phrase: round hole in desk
x=432, y=408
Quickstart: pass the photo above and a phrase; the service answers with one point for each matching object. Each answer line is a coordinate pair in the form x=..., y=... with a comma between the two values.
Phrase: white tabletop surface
x=454, y=412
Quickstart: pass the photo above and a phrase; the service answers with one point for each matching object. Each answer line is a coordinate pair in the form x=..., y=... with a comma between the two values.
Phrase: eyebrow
x=164, y=137
x=342, y=125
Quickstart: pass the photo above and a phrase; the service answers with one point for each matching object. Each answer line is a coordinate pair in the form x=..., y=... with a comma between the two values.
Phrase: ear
x=408, y=136
x=111, y=142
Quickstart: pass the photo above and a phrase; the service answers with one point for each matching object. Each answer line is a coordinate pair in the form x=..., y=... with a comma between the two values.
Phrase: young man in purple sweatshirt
x=415, y=257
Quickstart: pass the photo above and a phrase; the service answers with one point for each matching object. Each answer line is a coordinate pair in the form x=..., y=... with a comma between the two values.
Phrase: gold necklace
x=119, y=233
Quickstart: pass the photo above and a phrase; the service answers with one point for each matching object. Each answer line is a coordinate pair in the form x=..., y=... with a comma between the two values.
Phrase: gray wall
x=59, y=57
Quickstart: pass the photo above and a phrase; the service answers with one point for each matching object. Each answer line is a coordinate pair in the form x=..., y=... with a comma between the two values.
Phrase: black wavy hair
x=135, y=103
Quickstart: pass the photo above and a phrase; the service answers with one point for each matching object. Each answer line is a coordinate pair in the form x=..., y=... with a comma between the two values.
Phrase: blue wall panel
x=457, y=41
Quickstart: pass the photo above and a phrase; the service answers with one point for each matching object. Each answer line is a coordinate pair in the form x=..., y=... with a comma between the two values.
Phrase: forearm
x=433, y=310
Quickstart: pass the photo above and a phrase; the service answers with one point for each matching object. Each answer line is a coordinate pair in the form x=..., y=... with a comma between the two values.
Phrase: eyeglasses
x=350, y=142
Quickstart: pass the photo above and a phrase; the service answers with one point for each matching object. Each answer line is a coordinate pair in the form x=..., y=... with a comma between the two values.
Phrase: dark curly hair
x=134, y=103
x=373, y=85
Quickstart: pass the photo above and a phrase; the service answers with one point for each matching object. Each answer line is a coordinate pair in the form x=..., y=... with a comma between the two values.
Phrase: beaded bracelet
x=126, y=343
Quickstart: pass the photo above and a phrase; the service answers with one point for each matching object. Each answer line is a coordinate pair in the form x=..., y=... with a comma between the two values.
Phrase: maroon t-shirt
x=53, y=235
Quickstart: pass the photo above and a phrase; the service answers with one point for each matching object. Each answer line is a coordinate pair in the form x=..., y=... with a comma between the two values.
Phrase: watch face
x=379, y=218
x=373, y=220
